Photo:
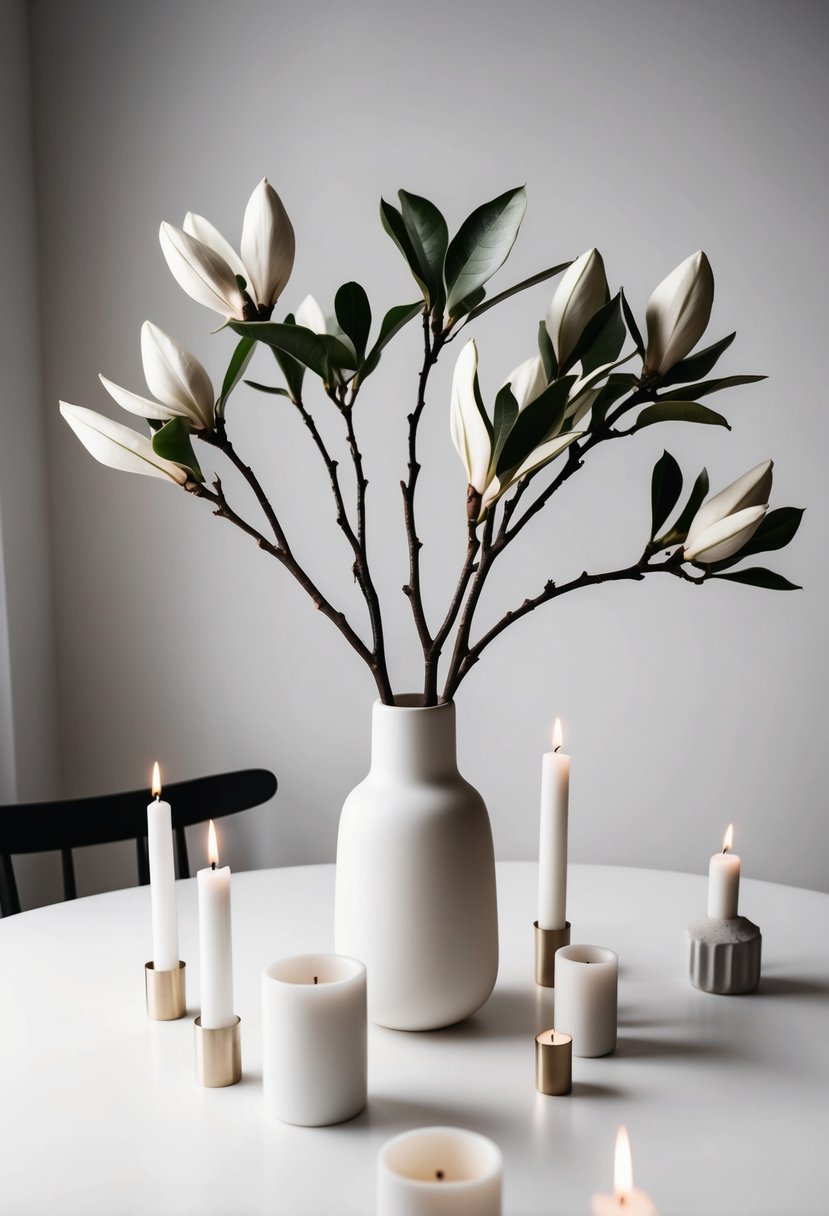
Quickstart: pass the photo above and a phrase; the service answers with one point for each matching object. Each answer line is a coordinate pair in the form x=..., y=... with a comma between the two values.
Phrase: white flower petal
x=751, y=490
x=470, y=434
x=723, y=538
x=134, y=404
x=203, y=230
x=581, y=293
x=176, y=377
x=678, y=312
x=310, y=315
x=120, y=447
x=268, y=244
x=527, y=381
x=201, y=272
x=544, y=453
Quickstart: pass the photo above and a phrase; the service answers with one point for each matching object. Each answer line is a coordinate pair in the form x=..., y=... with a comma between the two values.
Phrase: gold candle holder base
x=166, y=999
x=547, y=941
x=553, y=1063
x=218, y=1055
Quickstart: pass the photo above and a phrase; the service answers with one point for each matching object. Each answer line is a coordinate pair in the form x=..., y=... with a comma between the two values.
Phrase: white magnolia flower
x=175, y=377
x=205, y=265
x=581, y=293
x=527, y=381
x=310, y=315
x=678, y=312
x=725, y=522
x=119, y=447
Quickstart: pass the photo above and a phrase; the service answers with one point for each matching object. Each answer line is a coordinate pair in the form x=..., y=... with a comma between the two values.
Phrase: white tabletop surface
x=726, y=1098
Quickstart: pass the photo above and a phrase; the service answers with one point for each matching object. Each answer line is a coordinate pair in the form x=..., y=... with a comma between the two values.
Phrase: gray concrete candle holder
x=724, y=955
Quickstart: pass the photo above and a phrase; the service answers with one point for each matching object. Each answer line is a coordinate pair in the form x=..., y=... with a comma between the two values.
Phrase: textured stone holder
x=724, y=955
x=547, y=941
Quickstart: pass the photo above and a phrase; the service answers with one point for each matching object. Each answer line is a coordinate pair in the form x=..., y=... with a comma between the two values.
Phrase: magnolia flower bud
x=527, y=381
x=119, y=447
x=581, y=293
x=725, y=522
x=467, y=423
x=201, y=272
x=678, y=312
x=268, y=245
x=310, y=315
x=200, y=228
x=176, y=378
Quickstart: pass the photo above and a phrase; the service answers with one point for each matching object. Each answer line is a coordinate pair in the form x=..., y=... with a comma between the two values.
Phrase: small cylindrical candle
x=314, y=1038
x=586, y=998
x=724, y=881
x=215, y=951
x=162, y=879
x=439, y=1171
x=552, y=842
x=627, y=1200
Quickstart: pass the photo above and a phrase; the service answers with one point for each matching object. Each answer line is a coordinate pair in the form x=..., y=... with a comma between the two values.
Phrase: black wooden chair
x=41, y=827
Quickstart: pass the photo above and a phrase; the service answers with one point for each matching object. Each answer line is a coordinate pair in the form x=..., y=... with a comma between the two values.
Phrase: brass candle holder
x=165, y=993
x=547, y=941
x=553, y=1063
x=218, y=1055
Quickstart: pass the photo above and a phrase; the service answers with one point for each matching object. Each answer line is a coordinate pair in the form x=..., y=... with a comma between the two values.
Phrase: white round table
x=725, y=1098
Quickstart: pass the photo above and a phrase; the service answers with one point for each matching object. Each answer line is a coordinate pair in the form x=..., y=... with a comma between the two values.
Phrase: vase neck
x=412, y=742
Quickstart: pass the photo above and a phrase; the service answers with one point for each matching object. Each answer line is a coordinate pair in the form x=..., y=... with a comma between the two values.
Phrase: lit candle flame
x=156, y=781
x=558, y=736
x=728, y=838
x=212, y=845
x=623, y=1166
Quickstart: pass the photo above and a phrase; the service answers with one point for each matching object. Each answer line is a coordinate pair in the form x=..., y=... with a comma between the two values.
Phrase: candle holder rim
x=357, y=973
x=610, y=956
x=412, y=702
x=217, y=1029
x=494, y=1166
x=552, y=1030
x=150, y=966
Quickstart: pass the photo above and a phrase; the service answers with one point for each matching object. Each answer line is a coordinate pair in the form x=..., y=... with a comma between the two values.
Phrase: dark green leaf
x=538, y=421
x=393, y=322
x=666, y=487
x=697, y=367
x=268, y=388
x=541, y=277
x=294, y=340
x=172, y=442
x=505, y=412
x=482, y=245
x=353, y=313
x=429, y=236
x=548, y=354
x=602, y=338
x=471, y=302
x=615, y=388
x=758, y=576
x=679, y=411
x=680, y=529
x=633, y=328
x=692, y=391
x=235, y=370
x=775, y=532
x=393, y=223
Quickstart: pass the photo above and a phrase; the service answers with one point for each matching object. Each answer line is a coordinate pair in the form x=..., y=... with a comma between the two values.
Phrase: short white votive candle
x=314, y=1032
x=587, y=981
x=439, y=1171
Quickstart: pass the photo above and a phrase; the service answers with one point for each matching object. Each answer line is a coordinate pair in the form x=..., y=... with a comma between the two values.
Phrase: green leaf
x=394, y=225
x=547, y=352
x=235, y=370
x=666, y=487
x=601, y=340
x=775, y=532
x=482, y=245
x=541, y=277
x=300, y=343
x=468, y=306
x=680, y=529
x=538, y=421
x=353, y=313
x=697, y=367
x=268, y=388
x=393, y=322
x=758, y=576
x=692, y=391
x=505, y=413
x=172, y=442
x=679, y=411
x=633, y=328
x=616, y=387
x=429, y=236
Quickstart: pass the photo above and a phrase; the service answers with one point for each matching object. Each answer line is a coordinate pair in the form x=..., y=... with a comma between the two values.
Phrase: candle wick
x=212, y=865
x=439, y=1175
x=316, y=979
x=556, y=749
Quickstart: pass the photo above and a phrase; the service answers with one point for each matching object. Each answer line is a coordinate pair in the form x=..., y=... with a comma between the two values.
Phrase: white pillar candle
x=439, y=1171
x=314, y=1038
x=552, y=845
x=628, y=1200
x=724, y=881
x=586, y=998
x=162, y=880
x=215, y=953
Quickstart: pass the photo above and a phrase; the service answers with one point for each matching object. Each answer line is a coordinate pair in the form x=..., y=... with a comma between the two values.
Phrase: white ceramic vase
x=415, y=895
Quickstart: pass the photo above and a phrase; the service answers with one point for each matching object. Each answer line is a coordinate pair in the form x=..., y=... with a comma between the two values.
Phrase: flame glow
x=558, y=736
x=623, y=1166
x=728, y=839
x=156, y=787
x=212, y=844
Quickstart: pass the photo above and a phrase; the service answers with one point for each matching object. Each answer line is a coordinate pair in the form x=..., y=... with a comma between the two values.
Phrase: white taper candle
x=724, y=881
x=215, y=952
x=162, y=879
x=552, y=843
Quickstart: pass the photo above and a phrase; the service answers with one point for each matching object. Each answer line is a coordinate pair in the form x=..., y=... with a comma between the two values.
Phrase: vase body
x=415, y=892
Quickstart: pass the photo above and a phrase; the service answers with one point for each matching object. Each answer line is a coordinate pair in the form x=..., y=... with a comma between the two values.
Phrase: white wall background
x=646, y=128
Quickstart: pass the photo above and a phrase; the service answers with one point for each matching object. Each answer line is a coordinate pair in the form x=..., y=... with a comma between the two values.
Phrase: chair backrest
x=41, y=827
